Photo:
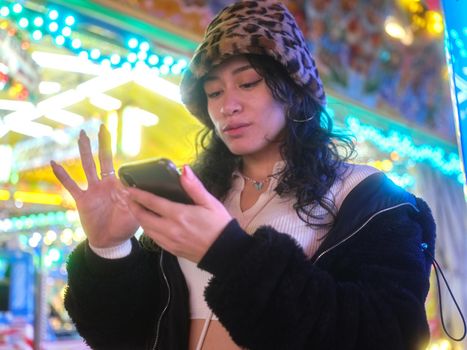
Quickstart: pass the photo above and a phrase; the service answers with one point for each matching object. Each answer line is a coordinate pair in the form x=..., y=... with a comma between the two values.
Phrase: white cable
x=199, y=346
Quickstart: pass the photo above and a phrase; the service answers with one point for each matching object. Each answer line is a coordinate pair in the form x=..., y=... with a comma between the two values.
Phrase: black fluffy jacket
x=365, y=287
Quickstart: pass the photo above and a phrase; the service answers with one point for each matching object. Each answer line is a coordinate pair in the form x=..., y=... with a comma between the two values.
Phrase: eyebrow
x=235, y=71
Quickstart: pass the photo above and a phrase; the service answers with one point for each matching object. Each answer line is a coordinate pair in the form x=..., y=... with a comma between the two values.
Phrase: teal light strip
x=456, y=56
x=132, y=24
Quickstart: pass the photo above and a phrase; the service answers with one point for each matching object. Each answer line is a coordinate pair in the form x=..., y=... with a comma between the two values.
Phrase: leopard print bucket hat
x=261, y=27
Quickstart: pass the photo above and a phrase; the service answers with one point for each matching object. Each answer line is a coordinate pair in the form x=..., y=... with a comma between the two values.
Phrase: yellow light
x=38, y=198
x=386, y=165
x=394, y=29
x=112, y=126
x=394, y=156
x=63, y=291
x=435, y=22
x=438, y=28
x=66, y=236
x=79, y=235
x=50, y=237
x=4, y=195
x=415, y=6
x=444, y=344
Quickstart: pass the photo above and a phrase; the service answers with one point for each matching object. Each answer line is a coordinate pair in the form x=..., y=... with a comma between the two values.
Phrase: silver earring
x=288, y=115
x=302, y=120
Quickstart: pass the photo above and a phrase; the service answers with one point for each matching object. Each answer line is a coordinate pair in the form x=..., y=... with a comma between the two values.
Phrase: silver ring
x=110, y=173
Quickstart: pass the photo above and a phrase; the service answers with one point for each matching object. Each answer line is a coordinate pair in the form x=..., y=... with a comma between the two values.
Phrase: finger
x=105, y=150
x=194, y=188
x=153, y=225
x=152, y=202
x=146, y=217
x=65, y=179
x=87, y=161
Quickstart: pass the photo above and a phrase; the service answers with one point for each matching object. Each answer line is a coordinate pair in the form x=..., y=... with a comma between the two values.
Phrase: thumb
x=194, y=188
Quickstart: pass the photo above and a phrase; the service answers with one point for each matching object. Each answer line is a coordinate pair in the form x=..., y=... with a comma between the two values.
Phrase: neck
x=258, y=169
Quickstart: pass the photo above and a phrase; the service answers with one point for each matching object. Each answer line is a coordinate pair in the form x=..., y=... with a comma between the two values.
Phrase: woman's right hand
x=102, y=207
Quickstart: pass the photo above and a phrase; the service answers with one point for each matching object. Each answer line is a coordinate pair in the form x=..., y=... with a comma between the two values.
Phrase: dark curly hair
x=312, y=152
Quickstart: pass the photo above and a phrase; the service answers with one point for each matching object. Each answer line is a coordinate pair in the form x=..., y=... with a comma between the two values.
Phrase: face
x=244, y=113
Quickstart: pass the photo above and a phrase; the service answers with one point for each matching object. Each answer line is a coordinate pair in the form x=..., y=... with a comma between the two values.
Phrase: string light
x=61, y=31
x=403, y=145
x=37, y=221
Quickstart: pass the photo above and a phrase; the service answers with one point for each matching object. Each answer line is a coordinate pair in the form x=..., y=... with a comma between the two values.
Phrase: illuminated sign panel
x=456, y=54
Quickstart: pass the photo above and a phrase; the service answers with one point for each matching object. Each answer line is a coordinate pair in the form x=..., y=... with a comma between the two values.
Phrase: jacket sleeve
x=113, y=303
x=367, y=293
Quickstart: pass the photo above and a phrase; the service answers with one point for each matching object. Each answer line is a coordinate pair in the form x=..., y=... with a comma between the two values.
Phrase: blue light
x=142, y=55
x=84, y=54
x=95, y=54
x=60, y=40
x=175, y=69
x=132, y=57
x=70, y=20
x=182, y=63
x=53, y=15
x=115, y=59
x=53, y=27
x=153, y=59
x=4, y=11
x=23, y=22
x=37, y=35
x=38, y=21
x=17, y=8
x=168, y=60
x=76, y=43
x=456, y=55
x=404, y=146
x=132, y=43
x=144, y=46
x=66, y=31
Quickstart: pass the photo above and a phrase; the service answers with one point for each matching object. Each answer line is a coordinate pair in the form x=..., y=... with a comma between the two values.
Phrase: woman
x=292, y=247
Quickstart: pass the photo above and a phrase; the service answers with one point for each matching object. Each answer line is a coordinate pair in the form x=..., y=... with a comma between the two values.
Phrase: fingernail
x=188, y=172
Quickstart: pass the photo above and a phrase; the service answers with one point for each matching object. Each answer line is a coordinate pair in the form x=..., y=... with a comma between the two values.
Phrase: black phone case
x=159, y=176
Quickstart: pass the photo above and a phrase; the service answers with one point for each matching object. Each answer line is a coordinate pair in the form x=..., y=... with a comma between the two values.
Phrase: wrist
x=118, y=251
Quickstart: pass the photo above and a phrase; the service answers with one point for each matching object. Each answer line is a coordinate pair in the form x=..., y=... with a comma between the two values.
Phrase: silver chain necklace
x=257, y=184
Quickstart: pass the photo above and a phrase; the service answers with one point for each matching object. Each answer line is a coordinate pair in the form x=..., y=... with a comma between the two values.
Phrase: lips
x=232, y=128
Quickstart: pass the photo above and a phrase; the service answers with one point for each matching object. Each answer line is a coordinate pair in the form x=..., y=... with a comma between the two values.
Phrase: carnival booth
x=67, y=65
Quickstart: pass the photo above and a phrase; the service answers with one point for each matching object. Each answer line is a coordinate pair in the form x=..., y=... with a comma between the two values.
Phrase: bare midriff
x=216, y=336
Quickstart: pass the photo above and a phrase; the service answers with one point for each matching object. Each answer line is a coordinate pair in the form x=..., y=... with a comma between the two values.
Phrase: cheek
x=215, y=123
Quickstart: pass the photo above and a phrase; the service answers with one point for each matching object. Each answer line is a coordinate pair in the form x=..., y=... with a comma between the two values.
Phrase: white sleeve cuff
x=117, y=252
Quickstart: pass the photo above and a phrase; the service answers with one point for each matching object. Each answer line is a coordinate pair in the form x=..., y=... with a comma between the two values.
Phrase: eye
x=251, y=84
x=213, y=94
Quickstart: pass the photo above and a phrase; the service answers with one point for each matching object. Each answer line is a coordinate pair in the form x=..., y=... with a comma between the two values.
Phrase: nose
x=230, y=104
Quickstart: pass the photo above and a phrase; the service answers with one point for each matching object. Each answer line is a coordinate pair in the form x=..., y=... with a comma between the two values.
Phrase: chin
x=239, y=150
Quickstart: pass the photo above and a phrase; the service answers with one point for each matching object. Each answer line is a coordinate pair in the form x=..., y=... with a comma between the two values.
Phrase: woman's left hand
x=184, y=230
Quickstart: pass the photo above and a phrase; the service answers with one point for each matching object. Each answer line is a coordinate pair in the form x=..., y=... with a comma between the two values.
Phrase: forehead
x=231, y=65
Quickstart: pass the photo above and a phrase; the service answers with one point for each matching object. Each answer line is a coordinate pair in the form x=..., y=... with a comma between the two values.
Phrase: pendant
x=258, y=185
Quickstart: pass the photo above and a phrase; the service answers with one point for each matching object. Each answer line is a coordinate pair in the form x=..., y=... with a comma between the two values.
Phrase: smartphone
x=159, y=176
